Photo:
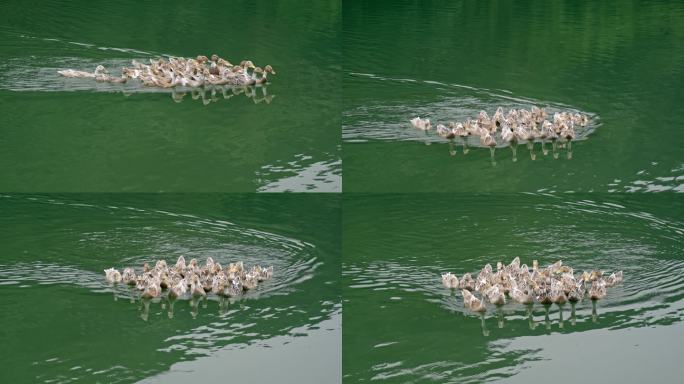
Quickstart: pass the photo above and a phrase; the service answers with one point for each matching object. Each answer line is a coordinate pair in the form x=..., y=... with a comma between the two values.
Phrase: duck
x=128, y=276
x=473, y=303
x=218, y=284
x=262, y=78
x=496, y=296
x=597, y=290
x=265, y=273
x=557, y=296
x=112, y=275
x=235, y=288
x=467, y=282
x=521, y=296
x=450, y=280
x=250, y=282
x=421, y=124
x=178, y=289
x=179, y=267
x=614, y=279
x=152, y=290
x=99, y=71
x=196, y=287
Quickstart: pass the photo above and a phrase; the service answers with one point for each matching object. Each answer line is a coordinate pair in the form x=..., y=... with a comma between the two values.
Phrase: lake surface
x=60, y=135
x=63, y=323
x=620, y=62
x=402, y=326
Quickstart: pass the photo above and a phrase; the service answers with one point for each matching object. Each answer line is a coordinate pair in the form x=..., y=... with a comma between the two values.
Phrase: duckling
x=473, y=303
x=266, y=273
x=450, y=280
x=576, y=293
x=510, y=138
x=152, y=290
x=496, y=296
x=196, y=287
x=178, y=289
x=443, y=131
x=467, y=282
x=421, y=124
x=264, y=74
x=180, y=264
x=250, y=282
x=218, y=284
x=99, y=71
x=235, y=289
x=112, y=275
x=521, y=296
x=557, y=296
x=614, y=279
x=129, y=276
x=597, y=290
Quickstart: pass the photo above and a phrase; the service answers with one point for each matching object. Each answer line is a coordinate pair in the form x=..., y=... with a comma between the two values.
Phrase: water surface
x=619, y=61
x=63, y=323
x=70, y=135
x=401, y=325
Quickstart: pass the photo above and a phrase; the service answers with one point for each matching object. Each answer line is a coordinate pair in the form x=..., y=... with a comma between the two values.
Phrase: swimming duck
x=99, y=71
x=250, y=282
x=597, y=290
x=473, y=303
x=496, y=296
x=614, y=279
x=450, y=280
x=218, y=284
x=112, y=275
x=467, y=282
x=178, y=289
x=180, y=264
x=522, y=296
x=196, y=287
x=443, y=131
x=235, y=289
x=128, y=276
x=152, y=290
x=421, y=124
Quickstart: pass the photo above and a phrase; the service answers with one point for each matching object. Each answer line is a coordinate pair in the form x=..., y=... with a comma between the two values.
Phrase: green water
x=62, y=323
x=619, y=60
x=402, y=326
x=55, y=139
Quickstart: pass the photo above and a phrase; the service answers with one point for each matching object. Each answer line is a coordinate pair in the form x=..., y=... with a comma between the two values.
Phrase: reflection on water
x=393, y=261
x=55, y=248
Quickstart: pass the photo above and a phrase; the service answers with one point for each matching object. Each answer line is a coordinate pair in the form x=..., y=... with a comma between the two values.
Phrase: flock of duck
x=510, y=128
x=554, y=284
x=182, y=72
x=201, y=75
x=191, y=279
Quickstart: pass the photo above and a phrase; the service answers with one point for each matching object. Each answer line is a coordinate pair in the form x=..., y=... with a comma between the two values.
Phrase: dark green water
x=71, y=136
x=619, y=60
x=62, y=323
x=402, y=326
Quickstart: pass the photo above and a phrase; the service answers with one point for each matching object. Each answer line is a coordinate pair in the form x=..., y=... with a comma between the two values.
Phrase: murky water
x=402, y=325
x=63, y=323
x=77, y=135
